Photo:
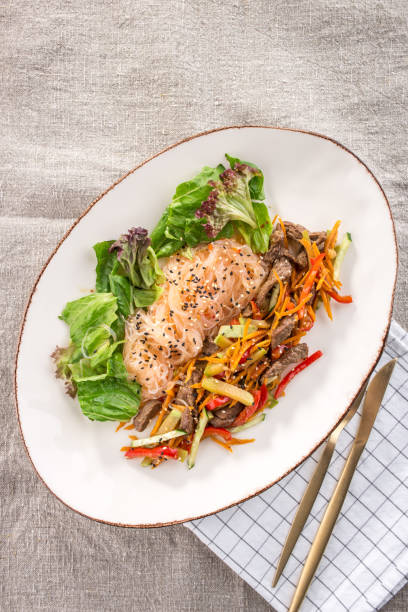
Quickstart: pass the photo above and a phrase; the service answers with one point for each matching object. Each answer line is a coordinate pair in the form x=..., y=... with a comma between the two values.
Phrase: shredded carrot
x=178, y=407
x=311, y=312
x=133, y=437
x=210, y=246
x=295, y=339
x=315, y=250
x=240, y=441
x=200, y=394
x=223, y=444
x=262, y=344
x=298, y=307
x=305, y=241
x=190, y=370
x=169, y=397
x=274, y=219
x=331, y=238
x=121, y=424
x=322, y=278
x=129, y=427
x=326, y=304
x=285, y=238
x=205, y=401
x=125, y=448
x=246, y=327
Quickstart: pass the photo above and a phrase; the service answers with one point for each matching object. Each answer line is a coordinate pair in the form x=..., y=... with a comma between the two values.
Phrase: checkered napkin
x=366, y=559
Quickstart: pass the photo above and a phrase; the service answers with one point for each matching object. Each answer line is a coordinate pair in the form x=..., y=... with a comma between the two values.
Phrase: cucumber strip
x=344, y=245
x=251, y=423
x=223, y=388
x=222, y=342
x=156, y=440
x=254, y=322
x=202, y=422
x=169, y=424
x=182, y=454
x=255, y=357
x=213, y=368
x=235, y=331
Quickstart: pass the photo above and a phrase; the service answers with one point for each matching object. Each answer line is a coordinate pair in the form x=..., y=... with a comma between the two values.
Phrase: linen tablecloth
x=89, y=90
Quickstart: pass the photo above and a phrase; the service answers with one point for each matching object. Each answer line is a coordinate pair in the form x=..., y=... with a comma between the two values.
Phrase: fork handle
x=326, y=527
x=304, y=508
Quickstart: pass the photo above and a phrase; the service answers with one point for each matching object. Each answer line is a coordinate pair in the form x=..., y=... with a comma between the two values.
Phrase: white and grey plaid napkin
x=366, y=560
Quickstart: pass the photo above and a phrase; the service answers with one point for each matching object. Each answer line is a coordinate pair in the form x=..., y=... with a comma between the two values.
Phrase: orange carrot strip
x=285, y=238
x=223, y=444
x=326, y=304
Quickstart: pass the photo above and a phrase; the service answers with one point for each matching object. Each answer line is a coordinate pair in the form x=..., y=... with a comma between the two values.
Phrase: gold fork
x=313, y=487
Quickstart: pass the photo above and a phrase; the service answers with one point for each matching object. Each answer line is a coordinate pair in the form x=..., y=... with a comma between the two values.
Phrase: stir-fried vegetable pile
x=246, y=369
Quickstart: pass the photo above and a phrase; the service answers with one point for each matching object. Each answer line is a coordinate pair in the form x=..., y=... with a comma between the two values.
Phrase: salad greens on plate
x=216, y=203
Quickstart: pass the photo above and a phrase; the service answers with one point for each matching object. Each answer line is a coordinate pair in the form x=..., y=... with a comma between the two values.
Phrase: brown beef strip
x=185, y=396
x=209, y=347
x=288, y=359
x=283, y=331
x=145, y=414
x=224, y=417
x=295, y=252
x=188, y=419
x=283, y=269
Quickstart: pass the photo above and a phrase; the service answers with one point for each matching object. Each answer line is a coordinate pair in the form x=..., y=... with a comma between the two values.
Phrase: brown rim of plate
x=220, y=129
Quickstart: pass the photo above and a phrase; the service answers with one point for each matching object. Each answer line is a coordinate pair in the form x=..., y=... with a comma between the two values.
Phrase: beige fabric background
x=89, y=90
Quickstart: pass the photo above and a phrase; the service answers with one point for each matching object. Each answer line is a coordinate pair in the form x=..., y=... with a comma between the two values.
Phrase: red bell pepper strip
x=217, y=431
x=301, y=366
x=216, y=402
x=306, y=324
x=256, y=313
x=260, y=398
x=277, y=351
x=245, y=356
x=156, y=452
x=343, y=299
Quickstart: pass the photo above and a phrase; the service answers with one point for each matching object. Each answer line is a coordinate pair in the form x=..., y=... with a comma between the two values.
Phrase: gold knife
x=313, y=487
x=372, y=403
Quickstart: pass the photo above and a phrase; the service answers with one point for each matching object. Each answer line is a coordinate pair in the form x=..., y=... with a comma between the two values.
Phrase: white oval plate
x=309, y=179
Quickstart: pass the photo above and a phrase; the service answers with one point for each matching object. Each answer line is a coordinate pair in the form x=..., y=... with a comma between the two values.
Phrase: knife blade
x=372, y=403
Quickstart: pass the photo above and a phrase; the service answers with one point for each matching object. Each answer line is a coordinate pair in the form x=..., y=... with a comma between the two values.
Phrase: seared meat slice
x=185, y=396
x=283, y=331
x=188, y=420
x=319, y=238
x=145, y=414
x=209, y=347
x=288, y=359
x=295, y=251
x=224, y=417
x=197, y=374
x=283, y=269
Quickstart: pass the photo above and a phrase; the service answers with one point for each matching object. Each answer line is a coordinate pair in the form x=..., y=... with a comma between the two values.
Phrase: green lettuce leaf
x=256, y=184
x=145, y=297
x=178, y=226
x=89, y=312
x=258, y=237
x=111, y=399
x=123, y=290
x=106, y=261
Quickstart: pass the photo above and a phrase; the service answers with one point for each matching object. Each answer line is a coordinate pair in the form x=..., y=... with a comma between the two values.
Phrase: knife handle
x=326, y=527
